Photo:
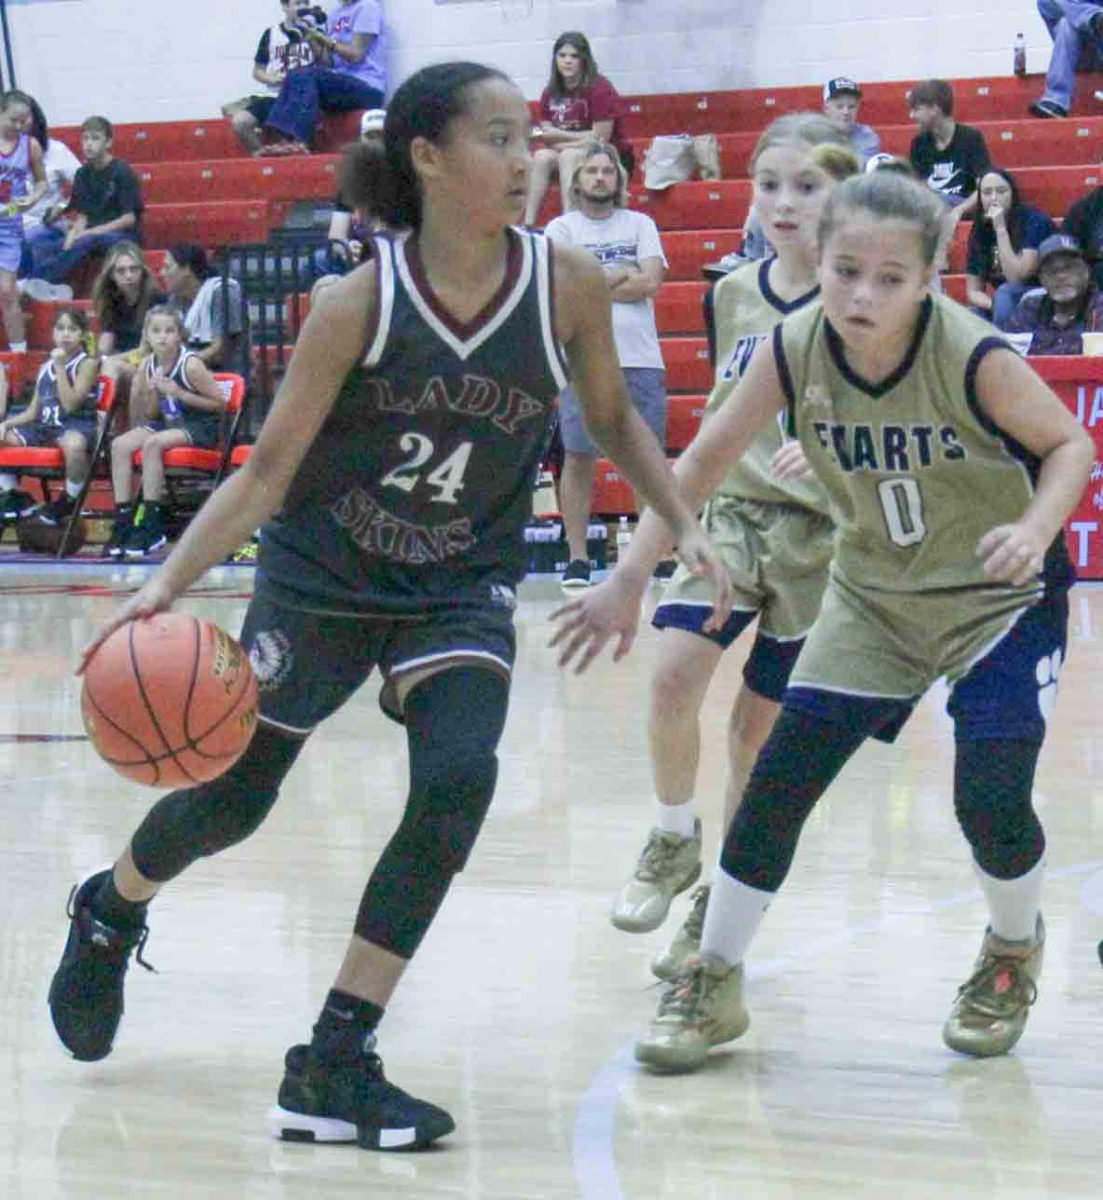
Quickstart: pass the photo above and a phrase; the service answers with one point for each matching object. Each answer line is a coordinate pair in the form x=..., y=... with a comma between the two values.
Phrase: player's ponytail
x=423, y=107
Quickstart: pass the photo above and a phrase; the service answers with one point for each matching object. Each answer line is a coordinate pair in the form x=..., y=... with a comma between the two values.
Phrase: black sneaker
x=56, y=511
x=86, y=994
x=143, y=540
x=1047, y=108
x=15, y=504
x=121, y=526
x=577, y=576
x=338, y=1102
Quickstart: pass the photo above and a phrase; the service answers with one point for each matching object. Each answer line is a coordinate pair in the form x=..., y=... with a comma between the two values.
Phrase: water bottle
x=1019, y=57
x=624, y=537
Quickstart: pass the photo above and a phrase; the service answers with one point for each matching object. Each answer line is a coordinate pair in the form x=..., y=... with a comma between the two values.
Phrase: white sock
x=18, y=347
x=8, y=483
x=732, y=918
x=1013, y=904
x=72, y=490
x=678, y=818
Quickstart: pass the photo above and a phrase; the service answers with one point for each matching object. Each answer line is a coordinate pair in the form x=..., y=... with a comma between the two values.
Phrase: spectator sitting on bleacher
x=1084, y=221
x=1003, y=248
x=1067, y=305
x=61, y=166
x=105, y=208
x=214, y=320
x=181, y=405
x=841, y=97
x=351, y=220
x=62, y=414
x=630, y=251
x=283, y=48
x=356, y=76
x=22, y=181
x=124, y=291
x=948, y=156
x=578, y=106
x=1076, y=27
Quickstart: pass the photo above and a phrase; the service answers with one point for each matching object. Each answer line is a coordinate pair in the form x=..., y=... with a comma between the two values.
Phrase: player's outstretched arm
x=1018, y=402
x=612, y=608
x=331, y=342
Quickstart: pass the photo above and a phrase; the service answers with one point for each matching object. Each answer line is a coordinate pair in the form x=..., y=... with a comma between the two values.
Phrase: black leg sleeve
x=196, y=822
x=801, y=757
x=993, y=787
x=453, y=723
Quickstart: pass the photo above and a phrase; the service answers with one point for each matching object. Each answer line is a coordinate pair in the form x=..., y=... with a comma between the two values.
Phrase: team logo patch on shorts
x=271, y=659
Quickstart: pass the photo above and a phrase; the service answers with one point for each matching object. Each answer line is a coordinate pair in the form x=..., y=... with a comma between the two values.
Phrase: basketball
x=170, y=701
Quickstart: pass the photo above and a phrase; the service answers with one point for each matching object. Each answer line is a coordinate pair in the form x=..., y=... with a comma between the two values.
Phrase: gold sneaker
x=668, y=865
x=687, y=941
x=992, y=1005
x=702, y=1008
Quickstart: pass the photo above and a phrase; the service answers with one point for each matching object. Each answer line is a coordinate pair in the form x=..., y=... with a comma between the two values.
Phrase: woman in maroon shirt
x=579, y=105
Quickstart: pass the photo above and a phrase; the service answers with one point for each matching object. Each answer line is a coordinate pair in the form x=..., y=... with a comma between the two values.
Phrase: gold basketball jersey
x=914, y=471
x=745, y=313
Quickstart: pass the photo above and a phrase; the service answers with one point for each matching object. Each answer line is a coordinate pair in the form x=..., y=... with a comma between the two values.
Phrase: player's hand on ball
x=1011, y=553
x=583, y=626
x=153, y=598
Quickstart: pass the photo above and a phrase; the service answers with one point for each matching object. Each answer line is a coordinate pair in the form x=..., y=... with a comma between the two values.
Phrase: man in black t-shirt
x=949, y=157
x=105, y=208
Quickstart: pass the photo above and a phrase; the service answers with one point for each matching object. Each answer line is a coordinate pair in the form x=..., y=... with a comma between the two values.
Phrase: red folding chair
x=46, y=463
x=204, y=469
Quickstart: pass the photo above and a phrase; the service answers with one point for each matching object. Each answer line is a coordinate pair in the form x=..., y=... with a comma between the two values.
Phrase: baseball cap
x=372, y=121
x=841, y=87
x=1058, y=243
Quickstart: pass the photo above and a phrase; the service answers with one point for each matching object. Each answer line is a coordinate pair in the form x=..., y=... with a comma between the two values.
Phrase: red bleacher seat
x=720, y=204
x=612, y=494
x=307, y=178
x=683, y=419
x=678, y=307
x=1001, y=98
x=220, y=223
x=164, y=141
x=687, y=364
x=687, y=251
x=40, y=320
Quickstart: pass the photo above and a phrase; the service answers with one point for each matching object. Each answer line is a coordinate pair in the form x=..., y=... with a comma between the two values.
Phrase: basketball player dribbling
x=400, y=456
x=950, y=469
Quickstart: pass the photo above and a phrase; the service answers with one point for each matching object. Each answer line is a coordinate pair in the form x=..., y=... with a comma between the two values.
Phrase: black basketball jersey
x=50, y=409
x=415, y=493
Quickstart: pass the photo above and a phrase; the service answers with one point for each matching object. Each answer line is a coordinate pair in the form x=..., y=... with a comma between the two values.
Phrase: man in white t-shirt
x=628, y=247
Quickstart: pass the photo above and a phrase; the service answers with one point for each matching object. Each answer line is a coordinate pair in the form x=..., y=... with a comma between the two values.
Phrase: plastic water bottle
x=624, y=537
x=1019, y=56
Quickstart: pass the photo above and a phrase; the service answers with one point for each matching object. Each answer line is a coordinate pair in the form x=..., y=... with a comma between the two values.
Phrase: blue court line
x=592, y=1142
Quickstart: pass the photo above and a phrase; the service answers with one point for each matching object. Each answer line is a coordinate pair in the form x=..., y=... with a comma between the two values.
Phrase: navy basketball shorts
x=647, y=390
x=770, y=662
x=1008, y=693
x=42, y=436
x=309, y=663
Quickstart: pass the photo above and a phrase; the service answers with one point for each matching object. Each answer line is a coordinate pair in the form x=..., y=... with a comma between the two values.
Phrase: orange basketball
x=170, y=701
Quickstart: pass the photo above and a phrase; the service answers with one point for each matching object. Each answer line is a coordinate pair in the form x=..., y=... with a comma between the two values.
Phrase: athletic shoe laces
x=658, y=856
x=999, y=987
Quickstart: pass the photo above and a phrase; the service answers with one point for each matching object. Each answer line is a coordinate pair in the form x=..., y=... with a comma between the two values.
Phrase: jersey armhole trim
x=786, y=380
x=544, y=255
x=981, y=351
x=379, y=321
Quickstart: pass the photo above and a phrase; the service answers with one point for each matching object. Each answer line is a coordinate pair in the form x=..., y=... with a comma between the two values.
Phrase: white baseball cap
x=372, y=121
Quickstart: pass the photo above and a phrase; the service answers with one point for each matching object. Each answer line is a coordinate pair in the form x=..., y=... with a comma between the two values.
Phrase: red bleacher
x=199, y=187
